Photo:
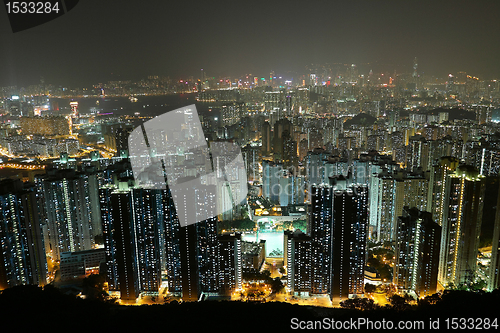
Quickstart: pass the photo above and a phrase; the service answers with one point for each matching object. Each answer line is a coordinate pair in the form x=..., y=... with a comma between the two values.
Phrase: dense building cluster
x=401, y=162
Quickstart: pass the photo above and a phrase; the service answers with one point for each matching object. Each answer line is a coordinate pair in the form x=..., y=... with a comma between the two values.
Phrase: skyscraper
x=266, y=138
x=283, y=135
x=418, y=153
x=271, y=175
x=68, y=205
x=416, y=187
x=389, y=205
x=133, y=231
x=494, y=273
x=289, y=146
x=320, y=229
x=22, y=252
x=315, y=162
x=291, y=190
x=207, y=250
x=121, y=258
x=338, y=231
x=190, y=289
x=417, y=252
x=297, y=248
x=349, y=236
x=230, y=263
x=438, y=184
x=461, y=223
x=148, y=229
x=192, y=251
x=390, y=192
x=172, y=244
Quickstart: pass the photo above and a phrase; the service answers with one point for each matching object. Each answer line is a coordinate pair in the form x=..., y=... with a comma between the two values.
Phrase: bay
x=120, y=106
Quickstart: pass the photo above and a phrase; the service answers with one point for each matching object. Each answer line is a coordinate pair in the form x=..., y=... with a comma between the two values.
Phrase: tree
x=370, y=288
x=387, y=244
x=93, y=287
x=480, y=284
x=429, y=300
x=364, y=304
x=276, y=285
x=373, y=262
x=398, y=303
x=408, y=298
x=385, y=272
x=300, y=224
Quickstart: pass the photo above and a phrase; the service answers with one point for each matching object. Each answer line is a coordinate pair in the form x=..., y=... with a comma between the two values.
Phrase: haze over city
x=299, y=165
x=100, y=41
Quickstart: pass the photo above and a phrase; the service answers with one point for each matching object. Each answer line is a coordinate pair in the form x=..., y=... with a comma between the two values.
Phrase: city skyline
x=230, y=39
x=337, y=159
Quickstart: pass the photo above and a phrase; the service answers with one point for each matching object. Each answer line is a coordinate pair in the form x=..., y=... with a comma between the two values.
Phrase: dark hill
x=361, y=119
x=32, y=307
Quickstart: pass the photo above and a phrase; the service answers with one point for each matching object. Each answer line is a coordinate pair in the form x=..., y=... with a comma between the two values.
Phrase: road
x=275, y=265
x=379, y=299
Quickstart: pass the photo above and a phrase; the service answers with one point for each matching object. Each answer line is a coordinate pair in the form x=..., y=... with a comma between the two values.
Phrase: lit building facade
x=68, y=200
x=132, y=221
x=461, y=226
x=349, y=237
x=417, y=252
x=320, y=230
x=494, y=273
x=297, y=262
x=22, y=252
x=230, y=264
x=57, y=125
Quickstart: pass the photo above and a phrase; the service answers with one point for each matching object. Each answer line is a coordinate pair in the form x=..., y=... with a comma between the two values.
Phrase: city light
x=366, y=181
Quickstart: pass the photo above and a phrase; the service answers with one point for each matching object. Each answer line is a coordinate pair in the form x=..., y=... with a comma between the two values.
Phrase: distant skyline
x=100, y=41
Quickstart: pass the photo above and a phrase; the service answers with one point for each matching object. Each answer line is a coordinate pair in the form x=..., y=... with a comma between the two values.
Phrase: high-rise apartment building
x=338, y=230
x=418, y=153
x=417, y=252
x=389, y=205
x=271, y=175
x=22, y=253
x=494, y=272
x=461, y=225
x=230, y=264
x=349, y=237
x=389, y=193
x=118, y=232
x=266, y=138
x=320, y=230
x=193, y=250
x=57, y=125
x=133, y=230
x=316, y=170
x=438, y=184
x=297, y=262
x=68, y=205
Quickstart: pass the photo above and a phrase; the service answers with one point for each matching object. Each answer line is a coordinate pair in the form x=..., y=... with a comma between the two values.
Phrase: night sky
x=99, y=41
